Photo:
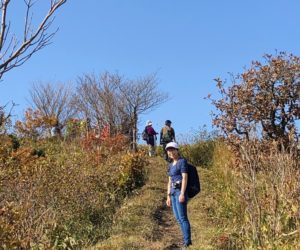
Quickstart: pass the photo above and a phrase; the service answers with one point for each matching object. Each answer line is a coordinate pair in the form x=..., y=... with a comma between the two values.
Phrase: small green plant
x=200, y=153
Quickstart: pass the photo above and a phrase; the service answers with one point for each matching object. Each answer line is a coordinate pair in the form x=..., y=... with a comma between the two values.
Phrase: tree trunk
x=134, y=132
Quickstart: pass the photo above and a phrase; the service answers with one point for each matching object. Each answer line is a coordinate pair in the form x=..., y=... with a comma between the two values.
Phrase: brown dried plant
x=268, y=190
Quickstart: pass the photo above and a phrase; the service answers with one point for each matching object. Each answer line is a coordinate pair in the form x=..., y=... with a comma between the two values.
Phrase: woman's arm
x=169, y=193
x=183, y=186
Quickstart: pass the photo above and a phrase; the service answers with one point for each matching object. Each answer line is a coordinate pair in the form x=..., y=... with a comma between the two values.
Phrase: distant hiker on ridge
x=151, y=137
x=167, y=134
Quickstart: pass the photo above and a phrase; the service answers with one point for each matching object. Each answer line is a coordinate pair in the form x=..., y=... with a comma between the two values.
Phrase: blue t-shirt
x=175, y=171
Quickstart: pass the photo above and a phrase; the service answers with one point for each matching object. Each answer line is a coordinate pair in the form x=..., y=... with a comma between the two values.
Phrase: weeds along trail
x=144, y=221
x=217, y=214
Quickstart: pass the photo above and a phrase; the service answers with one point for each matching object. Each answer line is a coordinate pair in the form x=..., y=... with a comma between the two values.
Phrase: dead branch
x=14, y=53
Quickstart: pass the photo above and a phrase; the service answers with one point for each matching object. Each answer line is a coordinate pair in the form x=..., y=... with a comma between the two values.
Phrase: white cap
x=148, y=123
x=172, y=145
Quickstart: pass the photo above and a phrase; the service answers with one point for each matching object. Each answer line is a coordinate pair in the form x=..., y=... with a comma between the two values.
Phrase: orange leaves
x=34, y=118
x=24, y=155
x=113, y=144
x=34, y=124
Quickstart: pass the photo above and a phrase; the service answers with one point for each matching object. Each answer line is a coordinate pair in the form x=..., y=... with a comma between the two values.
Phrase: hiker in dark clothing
x=167, y=134
x=151, y=139
x=176, y=191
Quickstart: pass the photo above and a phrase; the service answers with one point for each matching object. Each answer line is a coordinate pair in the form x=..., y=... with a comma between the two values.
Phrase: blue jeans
x=180, y=213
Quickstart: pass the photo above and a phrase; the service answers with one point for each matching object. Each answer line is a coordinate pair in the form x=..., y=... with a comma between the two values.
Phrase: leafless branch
x=5, y=116
x=118, y=102
x=53, y=101
x=12, y=52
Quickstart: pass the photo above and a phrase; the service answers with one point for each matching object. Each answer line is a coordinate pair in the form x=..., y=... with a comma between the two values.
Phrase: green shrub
x=15, y=141
x=199, y=153
x=132, y=172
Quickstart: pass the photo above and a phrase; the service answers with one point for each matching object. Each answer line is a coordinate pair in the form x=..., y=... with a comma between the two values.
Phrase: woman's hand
x=181, y=198
x=168, y=202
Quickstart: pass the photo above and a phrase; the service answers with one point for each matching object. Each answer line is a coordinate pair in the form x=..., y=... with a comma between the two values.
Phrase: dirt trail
x=168, y=228
x=144, y=222
x=203, y=231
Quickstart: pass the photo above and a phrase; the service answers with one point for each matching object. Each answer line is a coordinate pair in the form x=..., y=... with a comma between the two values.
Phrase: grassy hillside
x=145, y=222
x=245, y=203
x=62, y=195
x=73, y=195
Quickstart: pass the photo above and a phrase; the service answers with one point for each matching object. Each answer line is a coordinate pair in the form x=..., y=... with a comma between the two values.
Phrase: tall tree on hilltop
x=54, y=102
x=96, y=100
x=115, y=101
x=139, y=96
x=264, y=101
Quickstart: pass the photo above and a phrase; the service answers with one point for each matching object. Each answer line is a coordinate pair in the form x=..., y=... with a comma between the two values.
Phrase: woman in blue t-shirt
x=177, y=196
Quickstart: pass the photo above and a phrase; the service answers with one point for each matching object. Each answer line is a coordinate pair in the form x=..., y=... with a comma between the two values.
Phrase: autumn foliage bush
x=257, y=115
x=263, y=101
x=35, y=124
x=56, y=194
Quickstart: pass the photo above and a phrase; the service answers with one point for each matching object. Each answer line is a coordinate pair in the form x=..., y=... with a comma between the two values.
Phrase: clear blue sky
x=188, y=43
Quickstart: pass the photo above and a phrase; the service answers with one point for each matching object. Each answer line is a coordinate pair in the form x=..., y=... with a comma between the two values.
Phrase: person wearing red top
x=151, y=141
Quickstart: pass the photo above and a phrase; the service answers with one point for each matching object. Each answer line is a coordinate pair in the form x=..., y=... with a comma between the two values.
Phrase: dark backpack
x=193, y=185
x=145, y=135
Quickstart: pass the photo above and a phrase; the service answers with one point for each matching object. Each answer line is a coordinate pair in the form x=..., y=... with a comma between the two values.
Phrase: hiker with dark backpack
x=167, y=134
x=149, y=135
x=183, y=183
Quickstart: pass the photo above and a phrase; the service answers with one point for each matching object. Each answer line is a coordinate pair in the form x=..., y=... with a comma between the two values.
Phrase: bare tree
x=138, y=97
x=16, y=51
x=54, y=101
x=112, y=100
x=97, y=100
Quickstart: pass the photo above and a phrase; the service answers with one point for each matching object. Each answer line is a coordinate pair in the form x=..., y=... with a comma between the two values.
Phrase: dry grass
x=246, y=203
x=221, y=216
x=144, y=222
x=255, y=198
x=138, y=223
x=65, y=198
